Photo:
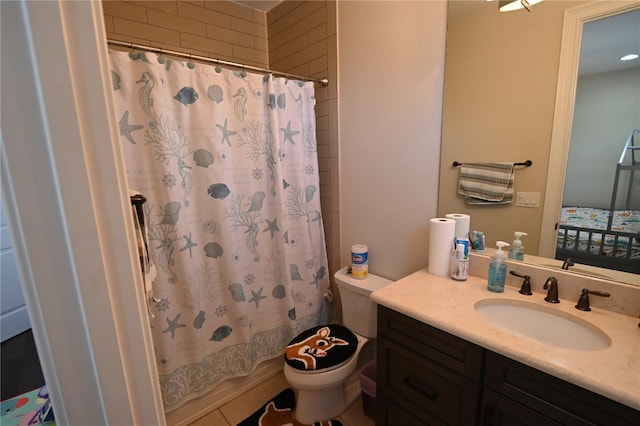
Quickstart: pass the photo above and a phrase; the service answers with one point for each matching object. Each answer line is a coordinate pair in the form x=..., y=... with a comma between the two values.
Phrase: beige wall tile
x=323, y=166
x=312, y=6
x=318, y=66
x=322, y=123
x=122, y=9
x=323, y=158
x=333, y=127
x=202, y=14
x=230, y=8
x=260, y=17
x=230, y=36
x=325, y=178
x=312, y=52
x=248, y=27
x=163, y=6
x=146, y=31
x=331, y=14
x=206, y=44
x=279, y=11
x=286, y=50
x=322, y=109
x=315, y=19
x=286, y=22
x=253, y=55
x=335, y=184
x=125, y=39
x=317, y=34
x=261, y=44
x=108, y=24
x=282, y=65
x=178, y=23
x=332, y=70
x=321, y=92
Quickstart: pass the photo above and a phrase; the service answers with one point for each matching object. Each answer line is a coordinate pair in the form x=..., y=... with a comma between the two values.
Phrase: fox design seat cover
x=321, y=347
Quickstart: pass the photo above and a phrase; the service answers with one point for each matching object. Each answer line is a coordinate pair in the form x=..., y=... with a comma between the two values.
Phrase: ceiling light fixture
x=511, y=5
x=629, y=57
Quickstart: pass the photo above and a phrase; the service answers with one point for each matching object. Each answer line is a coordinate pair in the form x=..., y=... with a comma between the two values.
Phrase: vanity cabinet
x=546, y=396
x=426, y=376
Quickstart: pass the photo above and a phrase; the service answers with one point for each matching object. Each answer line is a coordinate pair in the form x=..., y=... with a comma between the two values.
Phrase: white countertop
x=613, y=372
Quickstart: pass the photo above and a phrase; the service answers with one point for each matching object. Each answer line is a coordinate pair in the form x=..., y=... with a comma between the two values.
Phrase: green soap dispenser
x=516, y=251
x=497, y=269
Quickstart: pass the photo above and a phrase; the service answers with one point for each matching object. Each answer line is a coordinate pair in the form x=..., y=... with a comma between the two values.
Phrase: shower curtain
x=228, y=163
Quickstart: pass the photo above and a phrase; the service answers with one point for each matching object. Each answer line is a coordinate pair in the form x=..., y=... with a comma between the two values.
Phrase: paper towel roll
x=462, y=224
x=441, y=234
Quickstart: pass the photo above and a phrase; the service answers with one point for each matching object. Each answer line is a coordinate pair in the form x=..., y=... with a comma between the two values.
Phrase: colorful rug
x=279, y=411
x=30, y=408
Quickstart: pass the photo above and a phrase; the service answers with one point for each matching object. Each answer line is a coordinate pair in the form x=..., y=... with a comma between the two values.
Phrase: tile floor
x=21, y=373
x=235, y=411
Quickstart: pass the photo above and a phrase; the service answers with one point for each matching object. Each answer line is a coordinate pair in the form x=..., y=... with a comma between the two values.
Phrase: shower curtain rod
x=323, y=81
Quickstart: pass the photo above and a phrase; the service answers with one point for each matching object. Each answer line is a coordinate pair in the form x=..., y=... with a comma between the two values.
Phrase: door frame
x=68, y=208
x=574, y=20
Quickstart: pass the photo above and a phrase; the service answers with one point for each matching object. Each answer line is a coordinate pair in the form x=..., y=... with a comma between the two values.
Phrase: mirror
x=502, y=74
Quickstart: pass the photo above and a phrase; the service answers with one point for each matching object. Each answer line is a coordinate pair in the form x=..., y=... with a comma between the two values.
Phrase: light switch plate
x=528, y=199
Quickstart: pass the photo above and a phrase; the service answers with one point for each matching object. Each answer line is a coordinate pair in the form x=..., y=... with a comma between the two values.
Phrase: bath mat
x=279, y=411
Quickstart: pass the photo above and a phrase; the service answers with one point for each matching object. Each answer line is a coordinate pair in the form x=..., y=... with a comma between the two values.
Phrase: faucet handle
x=526, y=284
x=567, y=263
x=583, y=301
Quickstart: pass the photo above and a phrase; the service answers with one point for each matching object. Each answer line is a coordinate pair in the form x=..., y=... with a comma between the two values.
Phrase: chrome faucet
x=583, y=301
x=552, y=286
x=568, y=262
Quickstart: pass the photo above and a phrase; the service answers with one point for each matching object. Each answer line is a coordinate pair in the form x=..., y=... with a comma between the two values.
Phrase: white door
x=14, y=318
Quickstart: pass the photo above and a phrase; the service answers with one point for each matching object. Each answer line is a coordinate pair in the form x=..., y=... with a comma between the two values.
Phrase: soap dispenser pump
x=497, y=269
x=516, y=251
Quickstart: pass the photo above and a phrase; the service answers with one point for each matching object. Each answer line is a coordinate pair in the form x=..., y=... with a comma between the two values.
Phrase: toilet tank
x=359, y=313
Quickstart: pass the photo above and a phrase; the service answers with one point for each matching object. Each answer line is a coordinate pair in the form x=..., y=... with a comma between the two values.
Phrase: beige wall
x=499, y=97
x=391, y=67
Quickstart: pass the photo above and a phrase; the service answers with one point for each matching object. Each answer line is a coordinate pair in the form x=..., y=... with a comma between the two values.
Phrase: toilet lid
x=321, y=347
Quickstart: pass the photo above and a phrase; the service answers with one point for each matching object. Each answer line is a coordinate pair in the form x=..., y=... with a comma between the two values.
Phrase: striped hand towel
x=486, y=183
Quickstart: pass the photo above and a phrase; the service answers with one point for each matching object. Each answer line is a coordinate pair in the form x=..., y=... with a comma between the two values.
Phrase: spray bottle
x=497, y=269
x=516, y=251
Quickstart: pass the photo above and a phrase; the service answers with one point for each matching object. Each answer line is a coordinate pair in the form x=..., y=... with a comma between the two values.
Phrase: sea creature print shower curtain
x=228, y=163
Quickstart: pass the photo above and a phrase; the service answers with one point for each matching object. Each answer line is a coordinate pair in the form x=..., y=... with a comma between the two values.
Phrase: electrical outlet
x=528, y=199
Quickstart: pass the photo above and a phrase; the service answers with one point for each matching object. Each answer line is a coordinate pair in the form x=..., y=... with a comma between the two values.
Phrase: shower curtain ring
x=190, y=64
x=133, y=55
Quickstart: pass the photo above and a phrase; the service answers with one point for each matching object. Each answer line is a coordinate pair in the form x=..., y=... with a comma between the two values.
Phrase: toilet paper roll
x=462, y=224
x=441, y=235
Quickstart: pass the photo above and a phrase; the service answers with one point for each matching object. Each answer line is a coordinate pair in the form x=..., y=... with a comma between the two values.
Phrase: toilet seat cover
x=321, y=347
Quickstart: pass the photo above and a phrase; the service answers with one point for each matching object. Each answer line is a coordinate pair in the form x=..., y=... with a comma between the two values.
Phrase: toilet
x=320, y=363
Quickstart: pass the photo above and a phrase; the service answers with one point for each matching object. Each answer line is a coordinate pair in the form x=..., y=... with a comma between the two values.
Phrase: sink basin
x=544, y=324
